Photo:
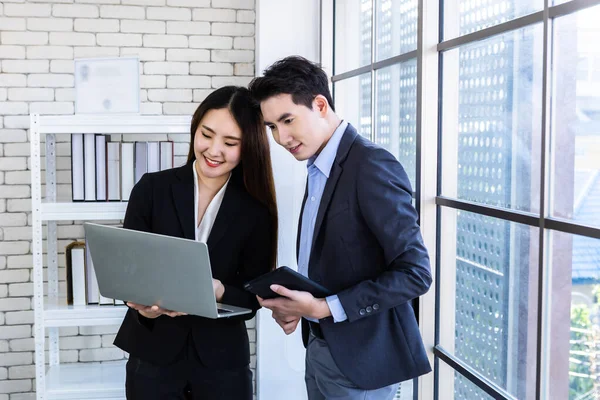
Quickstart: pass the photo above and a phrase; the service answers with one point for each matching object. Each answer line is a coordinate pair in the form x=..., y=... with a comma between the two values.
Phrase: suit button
x=375, y=307
x=362, y=311
x=369, y=309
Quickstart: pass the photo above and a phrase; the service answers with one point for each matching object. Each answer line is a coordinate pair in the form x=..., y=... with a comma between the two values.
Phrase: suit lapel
x=230, y=207
x=300, y=220
x=183, y=197
x=334, y=176
x=336, y=171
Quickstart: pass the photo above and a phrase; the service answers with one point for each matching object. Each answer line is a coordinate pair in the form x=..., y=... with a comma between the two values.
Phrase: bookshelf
x=105, y=380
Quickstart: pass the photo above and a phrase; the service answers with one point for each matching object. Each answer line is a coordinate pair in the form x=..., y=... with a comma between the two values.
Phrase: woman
x=223, y=196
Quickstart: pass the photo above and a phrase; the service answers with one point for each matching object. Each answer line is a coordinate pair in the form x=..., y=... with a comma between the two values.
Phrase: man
x=358, y=236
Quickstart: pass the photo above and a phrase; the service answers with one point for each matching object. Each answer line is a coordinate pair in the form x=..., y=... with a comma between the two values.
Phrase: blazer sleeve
x=385, y=202
x=256, y=261
x=139, y=217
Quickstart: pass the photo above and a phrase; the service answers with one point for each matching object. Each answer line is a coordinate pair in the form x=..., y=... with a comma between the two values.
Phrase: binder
x=113, y=170
x=89, y=157
x=166, y=155
x=76, y=282
x=141, y=160
x=127, y=164
x=77, y=166
x=101, y=161
x=93, y=293
x=153, y=157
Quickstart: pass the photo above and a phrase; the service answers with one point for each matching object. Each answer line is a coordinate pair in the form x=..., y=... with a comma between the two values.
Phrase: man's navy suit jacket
x=367, y=249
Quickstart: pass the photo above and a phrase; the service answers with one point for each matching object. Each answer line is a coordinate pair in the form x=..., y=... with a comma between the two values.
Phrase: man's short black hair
x=296, y=76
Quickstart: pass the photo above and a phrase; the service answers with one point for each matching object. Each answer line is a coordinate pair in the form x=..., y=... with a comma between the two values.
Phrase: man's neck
x=333, y=121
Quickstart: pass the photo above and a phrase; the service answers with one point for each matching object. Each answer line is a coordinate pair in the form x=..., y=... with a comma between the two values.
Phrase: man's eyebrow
x=284, y=116
x=281, y=118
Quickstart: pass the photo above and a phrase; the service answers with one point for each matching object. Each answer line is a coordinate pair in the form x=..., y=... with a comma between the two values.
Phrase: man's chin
x=301, y=155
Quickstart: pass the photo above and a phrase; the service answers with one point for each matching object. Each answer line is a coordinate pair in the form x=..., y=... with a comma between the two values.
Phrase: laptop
x=147, y=268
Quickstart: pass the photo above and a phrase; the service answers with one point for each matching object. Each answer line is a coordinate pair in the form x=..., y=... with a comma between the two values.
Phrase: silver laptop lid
x=147, y=268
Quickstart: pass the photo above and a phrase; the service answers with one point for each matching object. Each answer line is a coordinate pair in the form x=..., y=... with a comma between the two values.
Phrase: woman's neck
x=212, y=185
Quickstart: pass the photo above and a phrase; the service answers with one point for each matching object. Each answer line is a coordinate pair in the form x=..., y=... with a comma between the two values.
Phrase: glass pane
x=353, y=33
x=396, y=27
x=576, y=117
x=466, y=16
x=575, y=317
x=488, y=298
x=492, y=120
x=352, y=98
x=454, y=386
x=396, y=113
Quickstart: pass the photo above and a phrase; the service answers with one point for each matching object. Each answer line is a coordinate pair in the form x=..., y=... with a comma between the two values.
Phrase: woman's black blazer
x=239, y=246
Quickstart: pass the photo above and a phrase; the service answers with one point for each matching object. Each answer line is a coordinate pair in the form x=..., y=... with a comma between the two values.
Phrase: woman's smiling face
x=217, y=144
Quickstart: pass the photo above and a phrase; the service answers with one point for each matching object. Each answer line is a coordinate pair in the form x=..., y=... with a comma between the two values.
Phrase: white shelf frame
x=86, y=381
x=83, y=211
x=82, y=380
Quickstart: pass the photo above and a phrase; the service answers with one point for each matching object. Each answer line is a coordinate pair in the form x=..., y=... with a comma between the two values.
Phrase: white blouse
x=208, y=220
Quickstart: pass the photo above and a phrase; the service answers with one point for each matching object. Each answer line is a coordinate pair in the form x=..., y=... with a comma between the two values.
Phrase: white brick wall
x=211, y=69
x=8, y=52
x=136, y=26
x=12, y=24
x=186, y=49
x=214, y=15
x=210, y=42
x=188, y=28
x=188, y=55
x=49, y=24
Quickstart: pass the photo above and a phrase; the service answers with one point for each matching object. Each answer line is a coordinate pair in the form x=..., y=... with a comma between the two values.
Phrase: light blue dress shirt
x=319, y=168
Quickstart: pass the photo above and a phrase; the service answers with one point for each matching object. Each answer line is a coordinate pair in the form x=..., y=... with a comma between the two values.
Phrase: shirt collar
x=324, y=161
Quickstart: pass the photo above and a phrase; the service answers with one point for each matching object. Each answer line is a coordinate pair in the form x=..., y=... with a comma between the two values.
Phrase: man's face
x=300, y=130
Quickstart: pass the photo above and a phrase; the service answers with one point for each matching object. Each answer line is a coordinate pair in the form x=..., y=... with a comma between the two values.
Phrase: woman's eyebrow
x=208, y=129
x=226, y=137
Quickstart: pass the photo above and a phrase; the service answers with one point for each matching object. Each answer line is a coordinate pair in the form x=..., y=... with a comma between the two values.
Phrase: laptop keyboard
x=223, y=311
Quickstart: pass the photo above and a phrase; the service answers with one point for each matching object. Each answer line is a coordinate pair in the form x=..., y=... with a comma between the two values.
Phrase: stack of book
x=82, y=286
x=106, y=171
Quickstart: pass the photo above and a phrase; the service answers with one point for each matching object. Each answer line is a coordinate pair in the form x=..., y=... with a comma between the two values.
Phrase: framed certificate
x=107, y=85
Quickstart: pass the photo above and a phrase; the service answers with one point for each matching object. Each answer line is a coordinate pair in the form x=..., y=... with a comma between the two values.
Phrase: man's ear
x=321, y=105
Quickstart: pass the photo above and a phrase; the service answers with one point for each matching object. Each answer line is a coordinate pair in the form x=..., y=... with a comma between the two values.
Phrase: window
x=375, y=79
x=518, y=178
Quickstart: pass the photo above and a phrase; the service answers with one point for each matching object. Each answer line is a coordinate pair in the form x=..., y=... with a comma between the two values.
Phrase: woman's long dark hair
x=255, y=164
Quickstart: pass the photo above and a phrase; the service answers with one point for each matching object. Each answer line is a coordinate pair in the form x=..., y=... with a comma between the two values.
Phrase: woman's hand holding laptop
x=153, y=311
x=156, y=311
x=219, y=289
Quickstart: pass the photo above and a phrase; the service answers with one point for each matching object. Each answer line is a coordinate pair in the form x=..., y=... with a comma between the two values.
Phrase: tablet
x=287, y=277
